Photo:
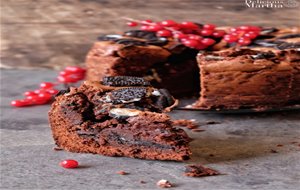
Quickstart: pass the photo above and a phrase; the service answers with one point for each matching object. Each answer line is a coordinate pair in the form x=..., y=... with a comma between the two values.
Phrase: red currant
x=201, y=47
x=194, y=37
x=46, y=85
x=250, y=35
x=52, y=91
x=244, y=28
x=45, y=95
x=179, y=35
x=20, y=103
x=145, y=27
x=39, y=91
x=69, y=164
x=208, y=41
x=164, y=33
x=233, y=29
x=255, y=28
x=155, y=28
x=206, y=32
x=74, y=69
x=209, y=26
x=29, y=93
x=191, y=43
x=189, y=25
x=218, y=33
x=132, y=24
x=168, y=23
x=32, y=97
x=244, y=41
x=230, y=38
x=146, y=22
x=63, y=73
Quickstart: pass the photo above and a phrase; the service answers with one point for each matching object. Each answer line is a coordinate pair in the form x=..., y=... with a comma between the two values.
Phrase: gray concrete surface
x=241, y=147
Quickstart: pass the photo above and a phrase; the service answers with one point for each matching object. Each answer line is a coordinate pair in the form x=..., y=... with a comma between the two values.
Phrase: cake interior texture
x=186, y=72
x=114, y=118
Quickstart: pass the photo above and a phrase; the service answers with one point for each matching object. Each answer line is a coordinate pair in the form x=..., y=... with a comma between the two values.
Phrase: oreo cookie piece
x=127, y=95
x=164, y=99
x=157, y=41
x=266, y=31
x=125, y=81
x=286, y=45
x=141, y=34
x=62, y=92
x=130, y=42
x=263, y=55
x=288, y=36
x=110, y=37
x=267, y=43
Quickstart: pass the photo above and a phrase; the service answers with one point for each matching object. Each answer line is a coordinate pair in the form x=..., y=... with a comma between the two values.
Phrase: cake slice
x=120, y=116
x=248, y=78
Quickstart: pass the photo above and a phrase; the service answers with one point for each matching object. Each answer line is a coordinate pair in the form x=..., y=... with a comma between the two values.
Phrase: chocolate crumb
x=199, y=171
x=164, y=183
x=57, y=148
x=143, y=182
x=279, y=145
x=190, y=124
x=212, y=122
x=273, y=151
x=211, y=155
x=122, y=172
x=198, y=130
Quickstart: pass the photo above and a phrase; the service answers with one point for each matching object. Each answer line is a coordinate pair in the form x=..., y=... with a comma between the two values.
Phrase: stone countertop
x=240, y=147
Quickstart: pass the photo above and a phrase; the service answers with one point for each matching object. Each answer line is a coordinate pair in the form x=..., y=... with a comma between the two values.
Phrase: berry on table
x=69, y=164
x=70, y=74
x=29, y=93
x=20, y=103
x=46, y=85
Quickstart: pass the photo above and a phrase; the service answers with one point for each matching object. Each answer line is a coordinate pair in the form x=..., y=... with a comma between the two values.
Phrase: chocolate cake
x=264, y=74
x=119, y=116
x=164, y=62
x=248, y=78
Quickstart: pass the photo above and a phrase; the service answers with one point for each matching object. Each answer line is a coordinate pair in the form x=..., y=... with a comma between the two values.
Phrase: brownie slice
x=248, y=78
x=163, y=61
x=120, y=116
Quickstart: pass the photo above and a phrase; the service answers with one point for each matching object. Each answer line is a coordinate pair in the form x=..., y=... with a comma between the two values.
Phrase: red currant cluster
x=195, y=35
x=243, y=35
x=71, y=74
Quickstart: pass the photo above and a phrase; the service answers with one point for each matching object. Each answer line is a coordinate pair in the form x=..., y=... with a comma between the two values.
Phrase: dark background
x=56, y=33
